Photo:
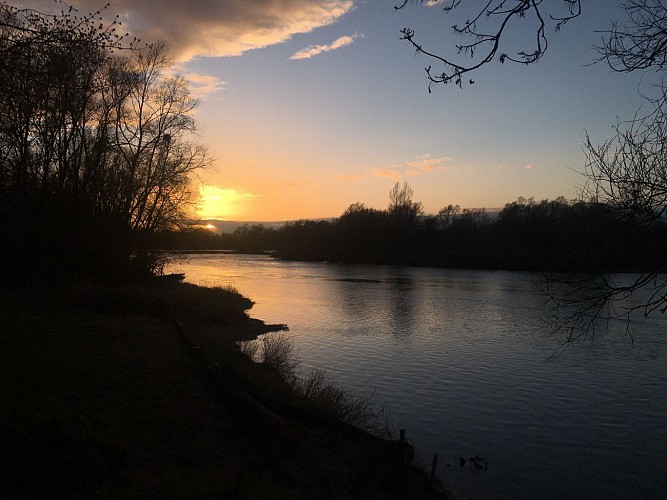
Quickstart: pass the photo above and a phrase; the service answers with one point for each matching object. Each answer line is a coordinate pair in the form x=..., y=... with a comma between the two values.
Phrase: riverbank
x=139, y=391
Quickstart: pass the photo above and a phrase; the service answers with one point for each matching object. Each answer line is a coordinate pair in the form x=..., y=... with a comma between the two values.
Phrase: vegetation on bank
x=550, y=235
x=139, y=391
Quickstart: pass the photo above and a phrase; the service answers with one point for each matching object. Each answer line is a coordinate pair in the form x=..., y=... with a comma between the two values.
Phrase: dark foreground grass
x=103, y=395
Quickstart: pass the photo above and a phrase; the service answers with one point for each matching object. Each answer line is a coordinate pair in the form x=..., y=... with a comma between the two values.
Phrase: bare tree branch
x=486, y=29
x=641, y=42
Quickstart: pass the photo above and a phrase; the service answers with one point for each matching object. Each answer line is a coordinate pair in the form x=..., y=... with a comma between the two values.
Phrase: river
x=463, y=360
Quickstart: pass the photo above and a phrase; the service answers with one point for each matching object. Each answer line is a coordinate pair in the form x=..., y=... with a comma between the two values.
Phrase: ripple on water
x=460, y=358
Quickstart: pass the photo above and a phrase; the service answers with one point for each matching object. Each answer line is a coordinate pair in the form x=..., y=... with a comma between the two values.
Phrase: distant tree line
x=550, y=235
x=625, y=174
x=94, y=149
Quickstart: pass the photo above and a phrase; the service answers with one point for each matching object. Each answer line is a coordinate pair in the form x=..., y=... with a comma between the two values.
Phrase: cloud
x=513, y=168
x=394, y=175
x=214, y=27
x=345, y=177
x=202, y=85
x=426, y=164
x=423, y=164
x=314, y=50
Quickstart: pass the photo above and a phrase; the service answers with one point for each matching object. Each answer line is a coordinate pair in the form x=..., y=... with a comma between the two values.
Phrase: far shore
x=216, y=251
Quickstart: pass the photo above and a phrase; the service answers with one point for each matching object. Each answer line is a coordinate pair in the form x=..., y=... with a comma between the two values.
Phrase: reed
x=317, y=390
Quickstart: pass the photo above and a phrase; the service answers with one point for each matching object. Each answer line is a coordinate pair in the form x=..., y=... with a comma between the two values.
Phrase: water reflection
x=460, y=358
x=382, y=302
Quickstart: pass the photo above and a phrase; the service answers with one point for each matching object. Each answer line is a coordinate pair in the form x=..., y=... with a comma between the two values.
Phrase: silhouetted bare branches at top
x=20, y=26
x=485, y=28
x=639, y=43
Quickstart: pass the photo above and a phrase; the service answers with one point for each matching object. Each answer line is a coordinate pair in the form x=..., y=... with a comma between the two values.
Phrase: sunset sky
x=308, y=106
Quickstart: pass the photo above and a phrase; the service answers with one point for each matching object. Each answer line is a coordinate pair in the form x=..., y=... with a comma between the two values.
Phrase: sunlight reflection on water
x=460, y=359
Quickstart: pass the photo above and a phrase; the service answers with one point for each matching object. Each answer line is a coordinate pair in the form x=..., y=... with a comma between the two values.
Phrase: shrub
x=321, y=390
x=279, y=356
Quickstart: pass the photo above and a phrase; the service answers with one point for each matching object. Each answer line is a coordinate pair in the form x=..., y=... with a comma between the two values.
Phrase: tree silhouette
x=401, y=205
x=94, y=149
x=626, y=175
x=628, y=172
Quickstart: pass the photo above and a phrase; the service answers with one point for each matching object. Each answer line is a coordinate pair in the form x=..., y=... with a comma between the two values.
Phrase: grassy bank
x=141, y=392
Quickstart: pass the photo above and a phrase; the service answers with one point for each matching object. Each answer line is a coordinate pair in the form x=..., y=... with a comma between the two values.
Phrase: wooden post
x=434, y=466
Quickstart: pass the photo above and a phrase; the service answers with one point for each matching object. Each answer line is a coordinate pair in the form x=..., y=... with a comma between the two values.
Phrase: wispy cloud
x=512, y=168
x=425, y=163
x=394, y=175
x=422, y=164
x=202, y=85
x=215, y=27
x=345, y=177
x=314, y=50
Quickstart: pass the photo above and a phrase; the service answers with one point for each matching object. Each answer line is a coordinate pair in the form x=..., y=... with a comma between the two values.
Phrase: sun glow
x=222, y=203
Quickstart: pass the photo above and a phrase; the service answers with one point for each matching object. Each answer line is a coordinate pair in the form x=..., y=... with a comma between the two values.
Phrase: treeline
x=550, y=235
x=94, y=149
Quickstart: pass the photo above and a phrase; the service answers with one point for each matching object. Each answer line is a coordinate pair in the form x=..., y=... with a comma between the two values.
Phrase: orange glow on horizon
x=223, y=203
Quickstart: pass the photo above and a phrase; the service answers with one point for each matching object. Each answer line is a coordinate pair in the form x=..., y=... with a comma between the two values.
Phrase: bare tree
x=95, y=143
x=628, y=173
x=447, y=214
x=152, y=121
x=401, y=205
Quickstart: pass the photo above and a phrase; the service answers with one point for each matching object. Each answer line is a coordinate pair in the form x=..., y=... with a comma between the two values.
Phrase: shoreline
x=105, y=395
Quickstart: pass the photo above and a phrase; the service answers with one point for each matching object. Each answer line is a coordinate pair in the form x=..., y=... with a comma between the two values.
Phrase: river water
x=463, y=360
